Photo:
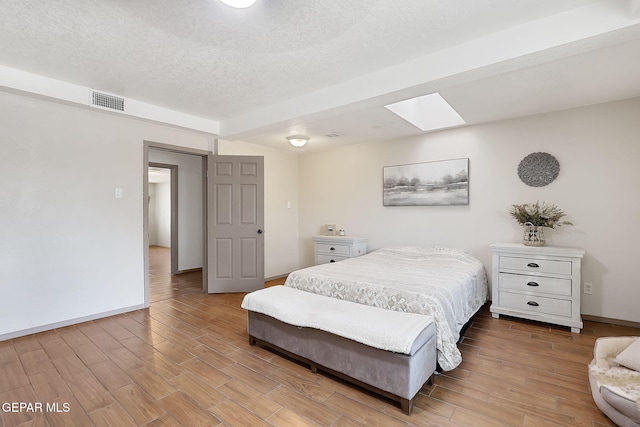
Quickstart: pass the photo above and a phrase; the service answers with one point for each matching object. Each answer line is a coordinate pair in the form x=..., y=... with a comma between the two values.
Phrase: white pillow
x=630, y=356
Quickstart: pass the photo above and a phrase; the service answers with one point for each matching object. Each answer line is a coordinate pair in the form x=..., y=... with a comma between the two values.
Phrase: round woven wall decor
x=538, y=169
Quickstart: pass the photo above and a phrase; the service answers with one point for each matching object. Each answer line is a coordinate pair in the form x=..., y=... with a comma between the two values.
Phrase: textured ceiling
x=206, y=59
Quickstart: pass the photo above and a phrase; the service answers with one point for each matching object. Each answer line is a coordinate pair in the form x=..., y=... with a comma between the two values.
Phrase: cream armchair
x=615, y=380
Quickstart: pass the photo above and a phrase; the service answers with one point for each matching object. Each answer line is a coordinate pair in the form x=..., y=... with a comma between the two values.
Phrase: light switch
x=288, y=205
x=118, y=193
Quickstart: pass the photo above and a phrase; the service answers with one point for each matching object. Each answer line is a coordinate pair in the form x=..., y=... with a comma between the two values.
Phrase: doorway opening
x=163, y=210
x=226, y=239
x=175, y=236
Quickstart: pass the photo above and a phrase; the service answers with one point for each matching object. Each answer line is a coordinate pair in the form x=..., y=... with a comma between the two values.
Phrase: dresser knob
x=532, y=284
x=532, y=303
x=333, y=260
x=533, y=265
x=332, y=249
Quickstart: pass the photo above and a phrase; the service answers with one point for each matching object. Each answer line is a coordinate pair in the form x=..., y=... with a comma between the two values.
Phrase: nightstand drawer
x=325, y=259
x=538, y=284
x=536, y=304
x=535, y=265
x=337, y=248
x=333, y=248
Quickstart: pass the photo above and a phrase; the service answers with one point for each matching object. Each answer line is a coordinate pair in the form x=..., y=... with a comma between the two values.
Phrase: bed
x=445, y=285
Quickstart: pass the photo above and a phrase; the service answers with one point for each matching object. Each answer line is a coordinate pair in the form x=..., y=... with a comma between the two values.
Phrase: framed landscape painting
x=440, y=183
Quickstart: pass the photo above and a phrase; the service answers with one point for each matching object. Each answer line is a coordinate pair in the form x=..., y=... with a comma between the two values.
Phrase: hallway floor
x=162, y=285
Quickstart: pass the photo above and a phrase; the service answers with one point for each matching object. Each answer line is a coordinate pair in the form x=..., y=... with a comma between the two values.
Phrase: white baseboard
x=266, y=279
x=51, y=326
x=611, y=321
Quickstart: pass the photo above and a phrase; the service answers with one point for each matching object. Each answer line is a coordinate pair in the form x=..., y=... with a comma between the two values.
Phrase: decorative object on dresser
x=537, y=283
x=337, y=248
x=440, y=183
x=534, y=217
x=538, y=169
x=330, y=230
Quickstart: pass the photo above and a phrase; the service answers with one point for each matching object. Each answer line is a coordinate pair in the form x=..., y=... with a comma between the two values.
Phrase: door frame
x=173, y=169
x=145, y=207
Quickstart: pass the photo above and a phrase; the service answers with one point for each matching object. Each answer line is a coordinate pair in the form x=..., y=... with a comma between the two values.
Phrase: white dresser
x=537, y=283
x=337, y=248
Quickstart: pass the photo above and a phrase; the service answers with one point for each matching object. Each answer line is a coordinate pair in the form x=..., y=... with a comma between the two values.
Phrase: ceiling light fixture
x=298, y=140
x=239, y=4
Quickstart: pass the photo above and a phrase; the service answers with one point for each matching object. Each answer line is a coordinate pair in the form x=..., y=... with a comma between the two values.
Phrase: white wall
x=598, y=185
x=160, y=214
x=70, y=250
x=189, y=205
x=280, y=188
x=153, y=224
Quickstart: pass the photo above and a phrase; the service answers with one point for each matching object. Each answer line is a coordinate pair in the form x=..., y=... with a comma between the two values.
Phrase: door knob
x=259, y=231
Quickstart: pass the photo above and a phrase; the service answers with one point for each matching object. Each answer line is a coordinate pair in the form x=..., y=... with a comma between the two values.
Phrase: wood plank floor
x=186, y=361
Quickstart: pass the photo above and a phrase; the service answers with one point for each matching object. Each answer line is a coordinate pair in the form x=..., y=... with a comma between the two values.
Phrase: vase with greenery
x=534, y=217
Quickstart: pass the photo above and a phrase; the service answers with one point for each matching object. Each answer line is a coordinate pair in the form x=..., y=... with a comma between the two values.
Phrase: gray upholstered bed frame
x=394, y=375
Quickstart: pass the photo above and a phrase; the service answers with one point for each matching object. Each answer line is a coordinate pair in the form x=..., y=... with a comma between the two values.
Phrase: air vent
x=107, y=101
x=333, y=135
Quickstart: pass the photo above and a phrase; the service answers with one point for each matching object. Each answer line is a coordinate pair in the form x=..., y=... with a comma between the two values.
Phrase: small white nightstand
x=337, y=248
x=537, y=283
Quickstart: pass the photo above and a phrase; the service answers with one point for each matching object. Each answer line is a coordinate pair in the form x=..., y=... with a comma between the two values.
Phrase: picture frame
x=330, y=230
x=436, y=183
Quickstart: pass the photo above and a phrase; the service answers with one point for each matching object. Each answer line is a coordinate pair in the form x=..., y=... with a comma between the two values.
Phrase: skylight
x=427, y=112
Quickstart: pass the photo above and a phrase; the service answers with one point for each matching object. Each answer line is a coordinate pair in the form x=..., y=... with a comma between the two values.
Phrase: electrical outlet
x=588, y=288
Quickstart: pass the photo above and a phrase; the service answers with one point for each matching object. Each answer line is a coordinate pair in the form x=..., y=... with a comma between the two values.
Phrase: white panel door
x=235, y=193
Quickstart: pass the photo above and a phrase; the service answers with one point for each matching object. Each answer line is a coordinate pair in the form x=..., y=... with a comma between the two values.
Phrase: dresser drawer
x=333, y=248
x=546, y=291
x=325, y=259
x=536, y=304
x=338, y=248
x=535, y=265
x=538, y=284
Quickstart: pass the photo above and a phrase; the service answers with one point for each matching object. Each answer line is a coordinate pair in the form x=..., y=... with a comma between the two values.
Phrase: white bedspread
x=447, y=284
x=357, y=322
